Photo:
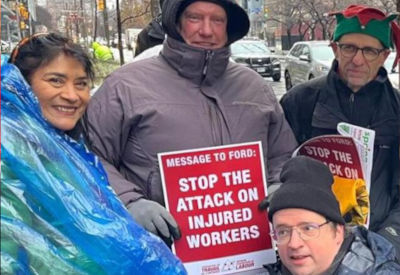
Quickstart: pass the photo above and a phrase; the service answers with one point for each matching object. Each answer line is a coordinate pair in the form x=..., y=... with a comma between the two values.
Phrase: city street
x=278, y=87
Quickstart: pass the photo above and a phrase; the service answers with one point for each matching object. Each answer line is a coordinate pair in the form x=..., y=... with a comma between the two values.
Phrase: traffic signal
x=100, y=5
x=23, y=11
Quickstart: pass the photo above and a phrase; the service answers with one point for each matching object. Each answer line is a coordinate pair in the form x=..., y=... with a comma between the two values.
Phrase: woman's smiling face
x=62, y=87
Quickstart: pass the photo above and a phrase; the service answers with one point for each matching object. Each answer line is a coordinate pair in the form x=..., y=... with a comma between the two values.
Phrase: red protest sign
x=213, y=193
x=339, y=153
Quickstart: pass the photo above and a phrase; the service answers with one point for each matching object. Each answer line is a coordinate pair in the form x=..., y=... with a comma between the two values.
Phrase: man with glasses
x=310, y=233
x=357, y=91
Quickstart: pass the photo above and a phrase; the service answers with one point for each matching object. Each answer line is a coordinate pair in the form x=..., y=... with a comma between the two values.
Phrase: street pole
x=20, y=34
x=119, y=30
x=9, y=34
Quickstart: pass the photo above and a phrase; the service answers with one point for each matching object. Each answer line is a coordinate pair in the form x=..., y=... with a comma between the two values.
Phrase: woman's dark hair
x=40, y=49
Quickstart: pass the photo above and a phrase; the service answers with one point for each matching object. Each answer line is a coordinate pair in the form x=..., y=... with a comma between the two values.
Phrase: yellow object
x=100, y=5
x=22, y=25
x=353, y=198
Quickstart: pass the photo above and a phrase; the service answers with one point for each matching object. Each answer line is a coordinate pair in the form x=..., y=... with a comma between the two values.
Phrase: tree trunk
x=106, y=30
x=83, y=23
x=95, y=21
x=155, y=8
x=289, y=36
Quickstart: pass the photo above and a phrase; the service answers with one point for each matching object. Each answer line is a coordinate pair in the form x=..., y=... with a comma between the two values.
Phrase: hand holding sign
x=353, y=198
x=155, y=218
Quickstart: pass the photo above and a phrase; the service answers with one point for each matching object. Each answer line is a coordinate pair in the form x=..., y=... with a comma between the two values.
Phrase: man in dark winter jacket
x=357, y=90
x=190, y=96
x=152, y=35
x=310, y=233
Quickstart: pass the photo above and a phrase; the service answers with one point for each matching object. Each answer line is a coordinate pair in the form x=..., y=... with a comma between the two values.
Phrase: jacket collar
x=199, y=65
x=328, y=112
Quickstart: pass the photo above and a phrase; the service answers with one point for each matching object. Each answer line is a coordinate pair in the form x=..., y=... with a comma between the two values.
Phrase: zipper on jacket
x=209, y=54
x=351, y=99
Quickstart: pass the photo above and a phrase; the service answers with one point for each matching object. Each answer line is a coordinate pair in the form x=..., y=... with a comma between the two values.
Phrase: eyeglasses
x=306, y=231
x=369, y=53
x=23, y=42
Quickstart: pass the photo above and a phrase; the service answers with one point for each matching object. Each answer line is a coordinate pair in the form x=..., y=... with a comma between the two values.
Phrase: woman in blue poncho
x=58, y=213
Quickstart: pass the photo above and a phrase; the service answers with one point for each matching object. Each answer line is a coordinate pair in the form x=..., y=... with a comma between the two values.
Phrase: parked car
x=306, y=60
x=7, y=47
x=131, y=37
x=256, y=55
x=389, y=63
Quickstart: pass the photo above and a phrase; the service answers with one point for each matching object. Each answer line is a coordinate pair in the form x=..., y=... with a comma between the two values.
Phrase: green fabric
x=50, y=253
x=380, y=29
x=102, y=52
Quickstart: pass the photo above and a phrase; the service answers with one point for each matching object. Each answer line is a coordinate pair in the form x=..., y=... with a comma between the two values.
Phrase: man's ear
x=334, y=47
x=386, y=53
x=383, y=56
x=340, y=232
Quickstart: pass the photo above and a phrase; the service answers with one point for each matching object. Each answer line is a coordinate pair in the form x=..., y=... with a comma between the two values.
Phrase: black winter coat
x=152, y=35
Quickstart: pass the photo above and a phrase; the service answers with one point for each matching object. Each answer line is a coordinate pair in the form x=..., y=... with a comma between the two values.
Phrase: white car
x=306, y=60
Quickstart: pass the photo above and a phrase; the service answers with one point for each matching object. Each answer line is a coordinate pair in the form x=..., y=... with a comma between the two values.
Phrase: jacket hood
x=238, y=21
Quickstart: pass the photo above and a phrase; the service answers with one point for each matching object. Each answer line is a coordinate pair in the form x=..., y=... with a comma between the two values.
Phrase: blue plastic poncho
x=58, y=212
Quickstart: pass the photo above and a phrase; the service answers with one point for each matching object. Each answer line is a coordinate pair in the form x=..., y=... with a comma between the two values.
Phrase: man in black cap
x=190, y=96
x=310, y=233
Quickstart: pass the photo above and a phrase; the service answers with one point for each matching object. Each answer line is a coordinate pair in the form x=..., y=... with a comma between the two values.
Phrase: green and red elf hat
x=369, y=21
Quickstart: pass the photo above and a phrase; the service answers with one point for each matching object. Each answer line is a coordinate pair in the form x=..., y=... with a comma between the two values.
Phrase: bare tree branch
x=146, y=11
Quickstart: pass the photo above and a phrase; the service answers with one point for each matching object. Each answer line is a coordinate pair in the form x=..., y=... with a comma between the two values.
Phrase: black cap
x=306, y=184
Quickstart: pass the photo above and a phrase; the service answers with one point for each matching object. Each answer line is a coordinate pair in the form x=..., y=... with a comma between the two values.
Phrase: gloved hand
x=155, y=218
x=353, y=199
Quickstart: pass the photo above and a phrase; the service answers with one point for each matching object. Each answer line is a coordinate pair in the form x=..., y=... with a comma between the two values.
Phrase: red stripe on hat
x=363, y=13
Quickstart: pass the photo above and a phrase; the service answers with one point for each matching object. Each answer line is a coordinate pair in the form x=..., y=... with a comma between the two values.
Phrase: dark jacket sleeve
x=281, y=143
x=107, y=126
x=150, y=36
